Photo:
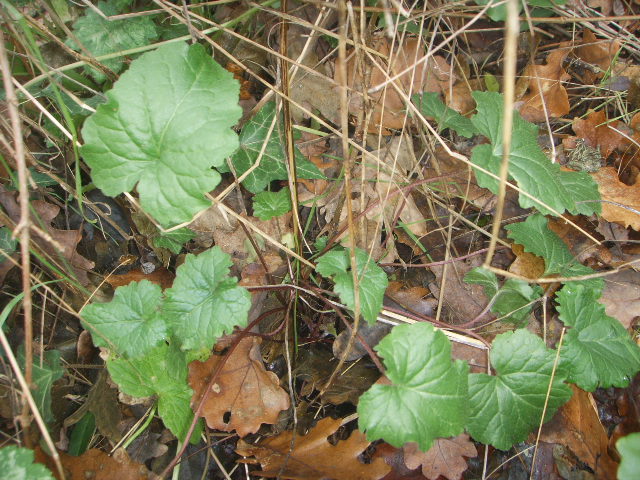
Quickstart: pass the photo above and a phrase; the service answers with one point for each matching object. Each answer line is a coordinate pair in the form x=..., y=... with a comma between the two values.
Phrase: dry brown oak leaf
x=445, y=457
x=597, y=52
x=54, y=242
x=598, y=132
x=244, y=391
x=613, y=190
x=389, y=110
x=313, y=457
x=545, y=89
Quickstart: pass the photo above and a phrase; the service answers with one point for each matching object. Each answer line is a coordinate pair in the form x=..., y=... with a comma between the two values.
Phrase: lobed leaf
x=504, y=408
x=428, y=394
x=512, y=301
x=131, y=324
x=101, y=36
x=547, y=184
x=162, y=372
x=597, y=351
x=372, y=280
x=536, y=237
x=204, y=303
x=431, y=105
x=272, y=165
x=166, y=123
x=174, y=240
x=267, y=205
x=18, y=464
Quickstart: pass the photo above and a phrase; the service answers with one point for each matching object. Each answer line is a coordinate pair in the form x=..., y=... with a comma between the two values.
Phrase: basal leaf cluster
x=151, y=334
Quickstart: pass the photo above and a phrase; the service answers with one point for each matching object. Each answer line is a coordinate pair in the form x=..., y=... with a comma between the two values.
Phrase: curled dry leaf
x=546, y=91
x=613, y=190
x=56, y=243
x=445, y=457
x=577, y=426
x=598, y=132
x=244, y=396
x=389, y=111
x=313, y=457
x=597, y=52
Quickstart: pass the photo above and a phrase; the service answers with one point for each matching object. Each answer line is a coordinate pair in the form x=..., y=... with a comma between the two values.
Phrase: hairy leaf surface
x=204, y=303
x=18, y=464
x=504, y=408
x=427, y=397
x=131, y=323
x=598, y=351
x=166, y=123
x=267, y=205
x=371, y=278
x=162, y=372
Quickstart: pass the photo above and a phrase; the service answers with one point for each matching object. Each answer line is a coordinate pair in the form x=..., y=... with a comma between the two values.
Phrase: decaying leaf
x=57, y=243
x=389, y=111
x=315, y=366
x=597, y=52
x=313, y=457
x=547, y=96
x=95, y=464
x=160, y=276
x=577, y=426
x=625, y=208
x=598, y=132
x=621, y=296
x=445, y=457
x=244, y=396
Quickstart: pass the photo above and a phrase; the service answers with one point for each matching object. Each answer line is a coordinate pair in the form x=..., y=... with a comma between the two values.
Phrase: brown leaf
x=526, y=264
x=245, y=391
x=160, y=276
x=613, y=190
x=546, y=89
x=95, y=464
x=600, y=133
x=597, y=52
x=313, y=457
x=621, y=296
x=445, y=457
x=57, y=242
x=577, y=426
x=433, y=75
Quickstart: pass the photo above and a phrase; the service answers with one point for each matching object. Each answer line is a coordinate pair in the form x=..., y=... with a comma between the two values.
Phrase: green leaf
x=536, y=237
x=7, y=244
x=499, y=13
x=598, y=351
x=131, y=324
x=528, y=164
x=174, y=240
x=101, y=37
x=629, y=448
x=45, y=371
x=204, y=303
x=510, y=300
x=428, y=395
x=504, y=408
x=273, y=164
x=162, y=372
x=430, y=105
x=17, y=464
x=372, y=280
x=267, y=205
x=166, y=123
x=81, y=435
